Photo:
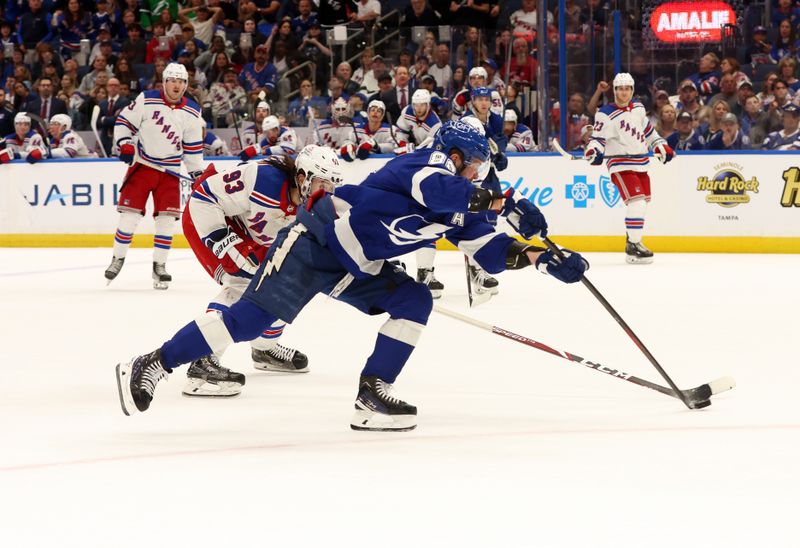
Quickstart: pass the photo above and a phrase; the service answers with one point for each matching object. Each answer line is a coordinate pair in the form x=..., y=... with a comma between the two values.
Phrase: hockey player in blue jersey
x=341, y=245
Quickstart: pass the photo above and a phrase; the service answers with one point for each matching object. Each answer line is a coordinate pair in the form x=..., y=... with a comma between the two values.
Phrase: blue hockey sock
x=388, y=358
x=185, y=346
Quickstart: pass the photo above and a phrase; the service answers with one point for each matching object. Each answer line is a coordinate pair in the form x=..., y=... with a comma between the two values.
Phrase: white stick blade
x=723, y=384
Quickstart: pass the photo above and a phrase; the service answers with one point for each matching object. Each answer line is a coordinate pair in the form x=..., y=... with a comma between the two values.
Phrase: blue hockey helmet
x=481, y=92
x=464, y=138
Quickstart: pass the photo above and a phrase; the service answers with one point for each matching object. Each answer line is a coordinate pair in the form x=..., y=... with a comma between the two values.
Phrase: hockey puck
x=700, y=404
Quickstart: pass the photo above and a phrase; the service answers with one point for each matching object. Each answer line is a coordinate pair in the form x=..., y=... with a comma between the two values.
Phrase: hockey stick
x=690, y=402
x=311, y=117
x=476, y=298
x=391, y=128
x=236, y=126
x=569, y=156
x=701, y=393
x=46, y=138
x=93, y=123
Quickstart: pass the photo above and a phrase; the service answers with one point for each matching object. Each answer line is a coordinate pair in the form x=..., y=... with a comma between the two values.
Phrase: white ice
x=514, y=447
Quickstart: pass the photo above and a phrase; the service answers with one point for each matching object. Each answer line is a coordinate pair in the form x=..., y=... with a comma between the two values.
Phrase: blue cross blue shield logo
x=608, y=191
x=580, y=191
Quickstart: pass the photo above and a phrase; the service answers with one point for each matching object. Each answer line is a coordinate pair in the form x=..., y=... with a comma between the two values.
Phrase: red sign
x=691, y=21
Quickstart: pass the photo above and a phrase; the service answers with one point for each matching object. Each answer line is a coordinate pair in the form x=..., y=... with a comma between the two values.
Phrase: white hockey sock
x=425, y=257
x=634, y=219
x=162, y=241
x=269, y=338
x=128, y=221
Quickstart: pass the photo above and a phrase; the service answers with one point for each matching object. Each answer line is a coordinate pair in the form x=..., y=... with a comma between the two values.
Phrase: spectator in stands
x=226, y=96
x=34, y=27
x=766, y=95
x=595, y=14
x=186, y=36
x=7, y=35
x=206, y=58
x=420, y=68
x=523, y=66
x=46, y=105
x=689, y=99
x=99, y=66
x=159, y=45
x=404, y=60
x=72, y=26
x=304, y=19
x=730, y=65
x=759, y=50
x=282, y=31
x=335, y=12
x=385, y=86
x=6, y=114
x=457, y=83
x=120, y=30
x=364, y=67
x=103, y=35
x=502, y=47
x=684, y=137
x=785, y=138
x=400, y=97
x=713, y=120
x=74, y=98
x=642, y=74
x=473, y=13
x=785, y=44
x=221, y=64
x=428, y=47
x=785, y=10
x=754, y=121
x=46, y=56
x=158, y=73
x=298, y=107
x=148, y=11
x=470, y=52
x=172, y=29
x=665, y=126
x=335, y=90
x=22, y=96
x=787, y=69
x=109, y=110
x=780, y=89
x=744, y=91
x=259, y=75
x=367, y=11
x=345, y=73
x=441, y=69
x=419, y=14
x=707, y=77
x=314, y=47
x=372, y=77
x=660, y=99
x=525, y=20
x=135, y=48
x=573, y=22
x=730, y=137
x=576, y=120
x=196, y=87
x=727, y=91
x=202, y=18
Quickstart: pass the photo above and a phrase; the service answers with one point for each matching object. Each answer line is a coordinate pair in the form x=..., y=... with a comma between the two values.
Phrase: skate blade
x=223, y=389
x=369, y=421
x=261, y=366
x=123, y=372
x=479, y=297
x=638, y=260
x=160, y=285
x=436, y=293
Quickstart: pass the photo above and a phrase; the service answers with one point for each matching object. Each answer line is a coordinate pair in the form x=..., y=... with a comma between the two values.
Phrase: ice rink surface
x=514, y=447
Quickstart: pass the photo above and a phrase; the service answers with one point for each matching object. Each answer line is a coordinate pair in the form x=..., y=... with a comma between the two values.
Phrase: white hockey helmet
x=497, y=103
x=474, y=122
x=62, y=120
x=623, y=79
x=175, y=70
x=22, y=118
x=340, y=108
x=375, y=103
x=478, y=71
x=421, y=97
x=316, y=161
x=510, y=116
x=270, y=122
x=263, y=105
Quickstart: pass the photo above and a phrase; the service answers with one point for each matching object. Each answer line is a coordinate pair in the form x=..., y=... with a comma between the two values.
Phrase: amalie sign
x=691, y=21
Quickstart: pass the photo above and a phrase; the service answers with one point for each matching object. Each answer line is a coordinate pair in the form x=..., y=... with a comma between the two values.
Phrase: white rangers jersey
x=331, y=134
x=382, y=138
x=22, y=147
x=624, y=132
x=521, y=140
x=214, y=146
x=164, y=133
x=286, y=143
x=413, y=130
x=254, y=196
x=69, y=145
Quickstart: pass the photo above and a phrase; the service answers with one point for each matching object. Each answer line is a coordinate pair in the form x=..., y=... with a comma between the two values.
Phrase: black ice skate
x=280, y=358
x=113, y=269
x=206, y=377
x=637, y=253
x=137, y=380
x=425, y=276
x=160, y=277
x=377, y=410
x=482, y=282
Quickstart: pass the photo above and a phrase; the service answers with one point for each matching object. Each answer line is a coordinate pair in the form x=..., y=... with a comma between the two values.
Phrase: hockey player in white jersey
x=214, y=145
x=622, y=129
x=154, y=134
x=23, y=143
x=230, y=221
x=335, y=131
x=520, y=136
x=418, y=123
x=462, y=99
x=373, y=137
x=65, y=142
x=276, y=140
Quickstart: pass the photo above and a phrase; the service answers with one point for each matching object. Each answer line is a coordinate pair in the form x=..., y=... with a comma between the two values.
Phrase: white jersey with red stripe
x=286, y=143
x=164, y=133
x=414, y=130
x=254, y=196
x=521, y=140
x=69, y=145
x=332, y=134
x=624, y=132
x=382, y=137
x=22, y=147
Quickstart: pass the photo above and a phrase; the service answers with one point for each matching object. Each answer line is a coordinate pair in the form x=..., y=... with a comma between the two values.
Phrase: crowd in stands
x=68, y=56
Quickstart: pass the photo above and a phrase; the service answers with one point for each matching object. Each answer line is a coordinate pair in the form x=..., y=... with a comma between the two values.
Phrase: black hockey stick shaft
x=702, y=392
x=236, y=125
x=391, y=128
x=45, y=136
x=625, y=327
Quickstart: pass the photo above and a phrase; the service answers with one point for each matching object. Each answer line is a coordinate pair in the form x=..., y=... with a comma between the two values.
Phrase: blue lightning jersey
x=412, y=201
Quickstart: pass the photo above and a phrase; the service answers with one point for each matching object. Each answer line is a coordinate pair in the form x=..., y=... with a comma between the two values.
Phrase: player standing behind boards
x=277, y=140
x=66, y=143
x=374, y=135
x=230, y=221
x=418, y=122
x=622, y=129
x=24, y=142
x=520, y=136
x=342, y=245
x=154, y=133
x=213, y=145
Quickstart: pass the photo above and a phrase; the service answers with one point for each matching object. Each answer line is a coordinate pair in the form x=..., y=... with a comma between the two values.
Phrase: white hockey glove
x=237, y=256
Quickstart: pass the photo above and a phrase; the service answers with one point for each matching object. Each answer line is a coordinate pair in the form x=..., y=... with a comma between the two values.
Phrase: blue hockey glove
x=593, y=156
x=500, y=161
x=524, y=216
x=569, y=270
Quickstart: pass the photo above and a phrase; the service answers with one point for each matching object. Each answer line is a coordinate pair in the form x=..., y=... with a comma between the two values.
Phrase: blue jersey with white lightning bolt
x=412, y=201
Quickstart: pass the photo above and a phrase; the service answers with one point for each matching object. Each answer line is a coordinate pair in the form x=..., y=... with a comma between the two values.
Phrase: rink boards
x=701, y=202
